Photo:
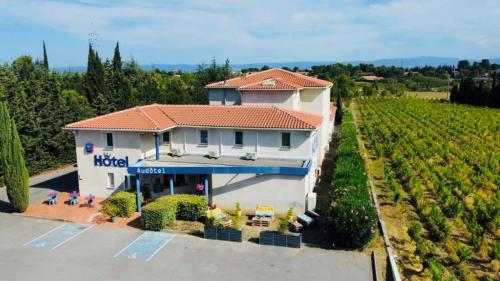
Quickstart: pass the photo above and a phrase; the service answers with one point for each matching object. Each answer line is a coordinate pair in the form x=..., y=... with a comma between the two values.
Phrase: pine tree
x=45, y=57
x=12, y=155
x=117, y=59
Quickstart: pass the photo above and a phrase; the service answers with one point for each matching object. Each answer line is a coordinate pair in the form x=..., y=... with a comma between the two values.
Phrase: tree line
x=480, y=93
x=41, y=101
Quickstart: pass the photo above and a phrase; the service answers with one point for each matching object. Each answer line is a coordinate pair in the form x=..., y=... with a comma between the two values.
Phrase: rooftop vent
x=269, y=83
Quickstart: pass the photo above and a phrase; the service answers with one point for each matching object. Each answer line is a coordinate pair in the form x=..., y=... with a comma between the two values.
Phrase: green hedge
x=125, y=203
x=166, y=209
x=189, y=207
x=155, y=216
x=351, y=217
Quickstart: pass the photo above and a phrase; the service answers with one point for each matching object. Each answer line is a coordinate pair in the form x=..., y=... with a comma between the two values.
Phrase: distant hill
x=401, y=62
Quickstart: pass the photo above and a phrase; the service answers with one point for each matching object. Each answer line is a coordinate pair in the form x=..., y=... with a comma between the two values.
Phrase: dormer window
x=268, y=83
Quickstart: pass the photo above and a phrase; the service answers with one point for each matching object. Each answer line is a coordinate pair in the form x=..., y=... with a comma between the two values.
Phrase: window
x=204, y=137
x=109, y=140
x=111, y=180
x=238, y=138
x=285, y=140
x=166, y=138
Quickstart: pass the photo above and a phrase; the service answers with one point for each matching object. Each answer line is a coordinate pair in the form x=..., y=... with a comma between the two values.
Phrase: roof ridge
x=147, y=116
x=244, y=76
x=279, y=79
x=166, y=114
x=102, y=116
x=303, y=76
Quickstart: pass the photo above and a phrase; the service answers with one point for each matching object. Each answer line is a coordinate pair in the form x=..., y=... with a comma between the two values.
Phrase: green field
x=436, y=165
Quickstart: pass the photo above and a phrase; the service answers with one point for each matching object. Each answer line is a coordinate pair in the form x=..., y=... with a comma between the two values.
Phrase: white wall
x=279, y=191
x=93, y=179
x=222, y=140
x=287, y=99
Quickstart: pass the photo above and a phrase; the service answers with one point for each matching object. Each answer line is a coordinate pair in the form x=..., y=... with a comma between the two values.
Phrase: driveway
x=35, y=249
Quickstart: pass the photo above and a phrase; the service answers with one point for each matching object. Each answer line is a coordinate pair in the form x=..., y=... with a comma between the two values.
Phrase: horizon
x=192, y=32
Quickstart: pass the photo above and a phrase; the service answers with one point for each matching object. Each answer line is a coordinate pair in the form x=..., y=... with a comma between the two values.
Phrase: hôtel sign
x=107, y=160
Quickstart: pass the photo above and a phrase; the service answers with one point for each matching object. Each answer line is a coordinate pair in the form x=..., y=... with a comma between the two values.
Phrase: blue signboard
x=89, y=147
x=298, y=171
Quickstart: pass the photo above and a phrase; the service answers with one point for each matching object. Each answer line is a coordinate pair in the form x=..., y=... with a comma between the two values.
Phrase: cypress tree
x=338, y=113
x=12, y=155
x=45, y=57
x=90, y=75
x=117, y=59
x=95, y=75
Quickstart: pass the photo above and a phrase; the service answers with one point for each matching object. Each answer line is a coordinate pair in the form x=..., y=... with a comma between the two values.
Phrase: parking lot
x=34, y=249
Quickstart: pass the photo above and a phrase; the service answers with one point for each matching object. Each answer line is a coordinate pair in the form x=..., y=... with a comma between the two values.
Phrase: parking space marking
x=58, y=236
x=146, y=246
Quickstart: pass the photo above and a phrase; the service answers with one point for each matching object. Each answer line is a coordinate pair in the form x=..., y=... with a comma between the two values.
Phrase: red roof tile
x=285, y=80
x=158, y=117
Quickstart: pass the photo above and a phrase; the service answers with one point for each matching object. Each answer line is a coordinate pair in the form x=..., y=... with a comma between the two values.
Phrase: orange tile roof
x=157, y=117
x=284, y=80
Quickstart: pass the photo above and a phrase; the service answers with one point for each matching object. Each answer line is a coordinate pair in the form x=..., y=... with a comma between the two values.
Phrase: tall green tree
x=12, y=156
x=117, y=59
x=45, y=57
x=95, y=75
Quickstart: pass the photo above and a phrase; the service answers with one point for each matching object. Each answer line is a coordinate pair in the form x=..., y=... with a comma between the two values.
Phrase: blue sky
x=193, y=31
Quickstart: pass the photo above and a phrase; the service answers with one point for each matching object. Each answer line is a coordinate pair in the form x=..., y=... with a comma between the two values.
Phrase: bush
x=110, y=210
x=155, y=216
x=351, y=217
x=164, y=211
x=283, y=226
x=189, y=207
x=125, y=203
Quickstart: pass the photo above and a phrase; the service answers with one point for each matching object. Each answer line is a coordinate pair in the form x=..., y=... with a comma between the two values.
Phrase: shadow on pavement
x=41, y=190
x=5, y=207
x=64, y=183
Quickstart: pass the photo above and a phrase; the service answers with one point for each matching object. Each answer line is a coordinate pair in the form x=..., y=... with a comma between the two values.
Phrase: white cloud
x=280, y=30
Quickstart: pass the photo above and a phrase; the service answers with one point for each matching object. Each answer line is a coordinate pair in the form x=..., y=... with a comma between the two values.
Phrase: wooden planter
x=229, y=234
x=273, y=238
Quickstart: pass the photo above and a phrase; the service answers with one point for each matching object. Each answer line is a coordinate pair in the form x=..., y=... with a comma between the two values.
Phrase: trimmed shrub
x=351, y=217
x=189, y=207
x=164, y=211
x=125, y=203
x=155, y=216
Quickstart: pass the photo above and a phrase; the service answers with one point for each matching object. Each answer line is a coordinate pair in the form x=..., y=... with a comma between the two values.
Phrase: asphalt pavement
x=100, y=253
